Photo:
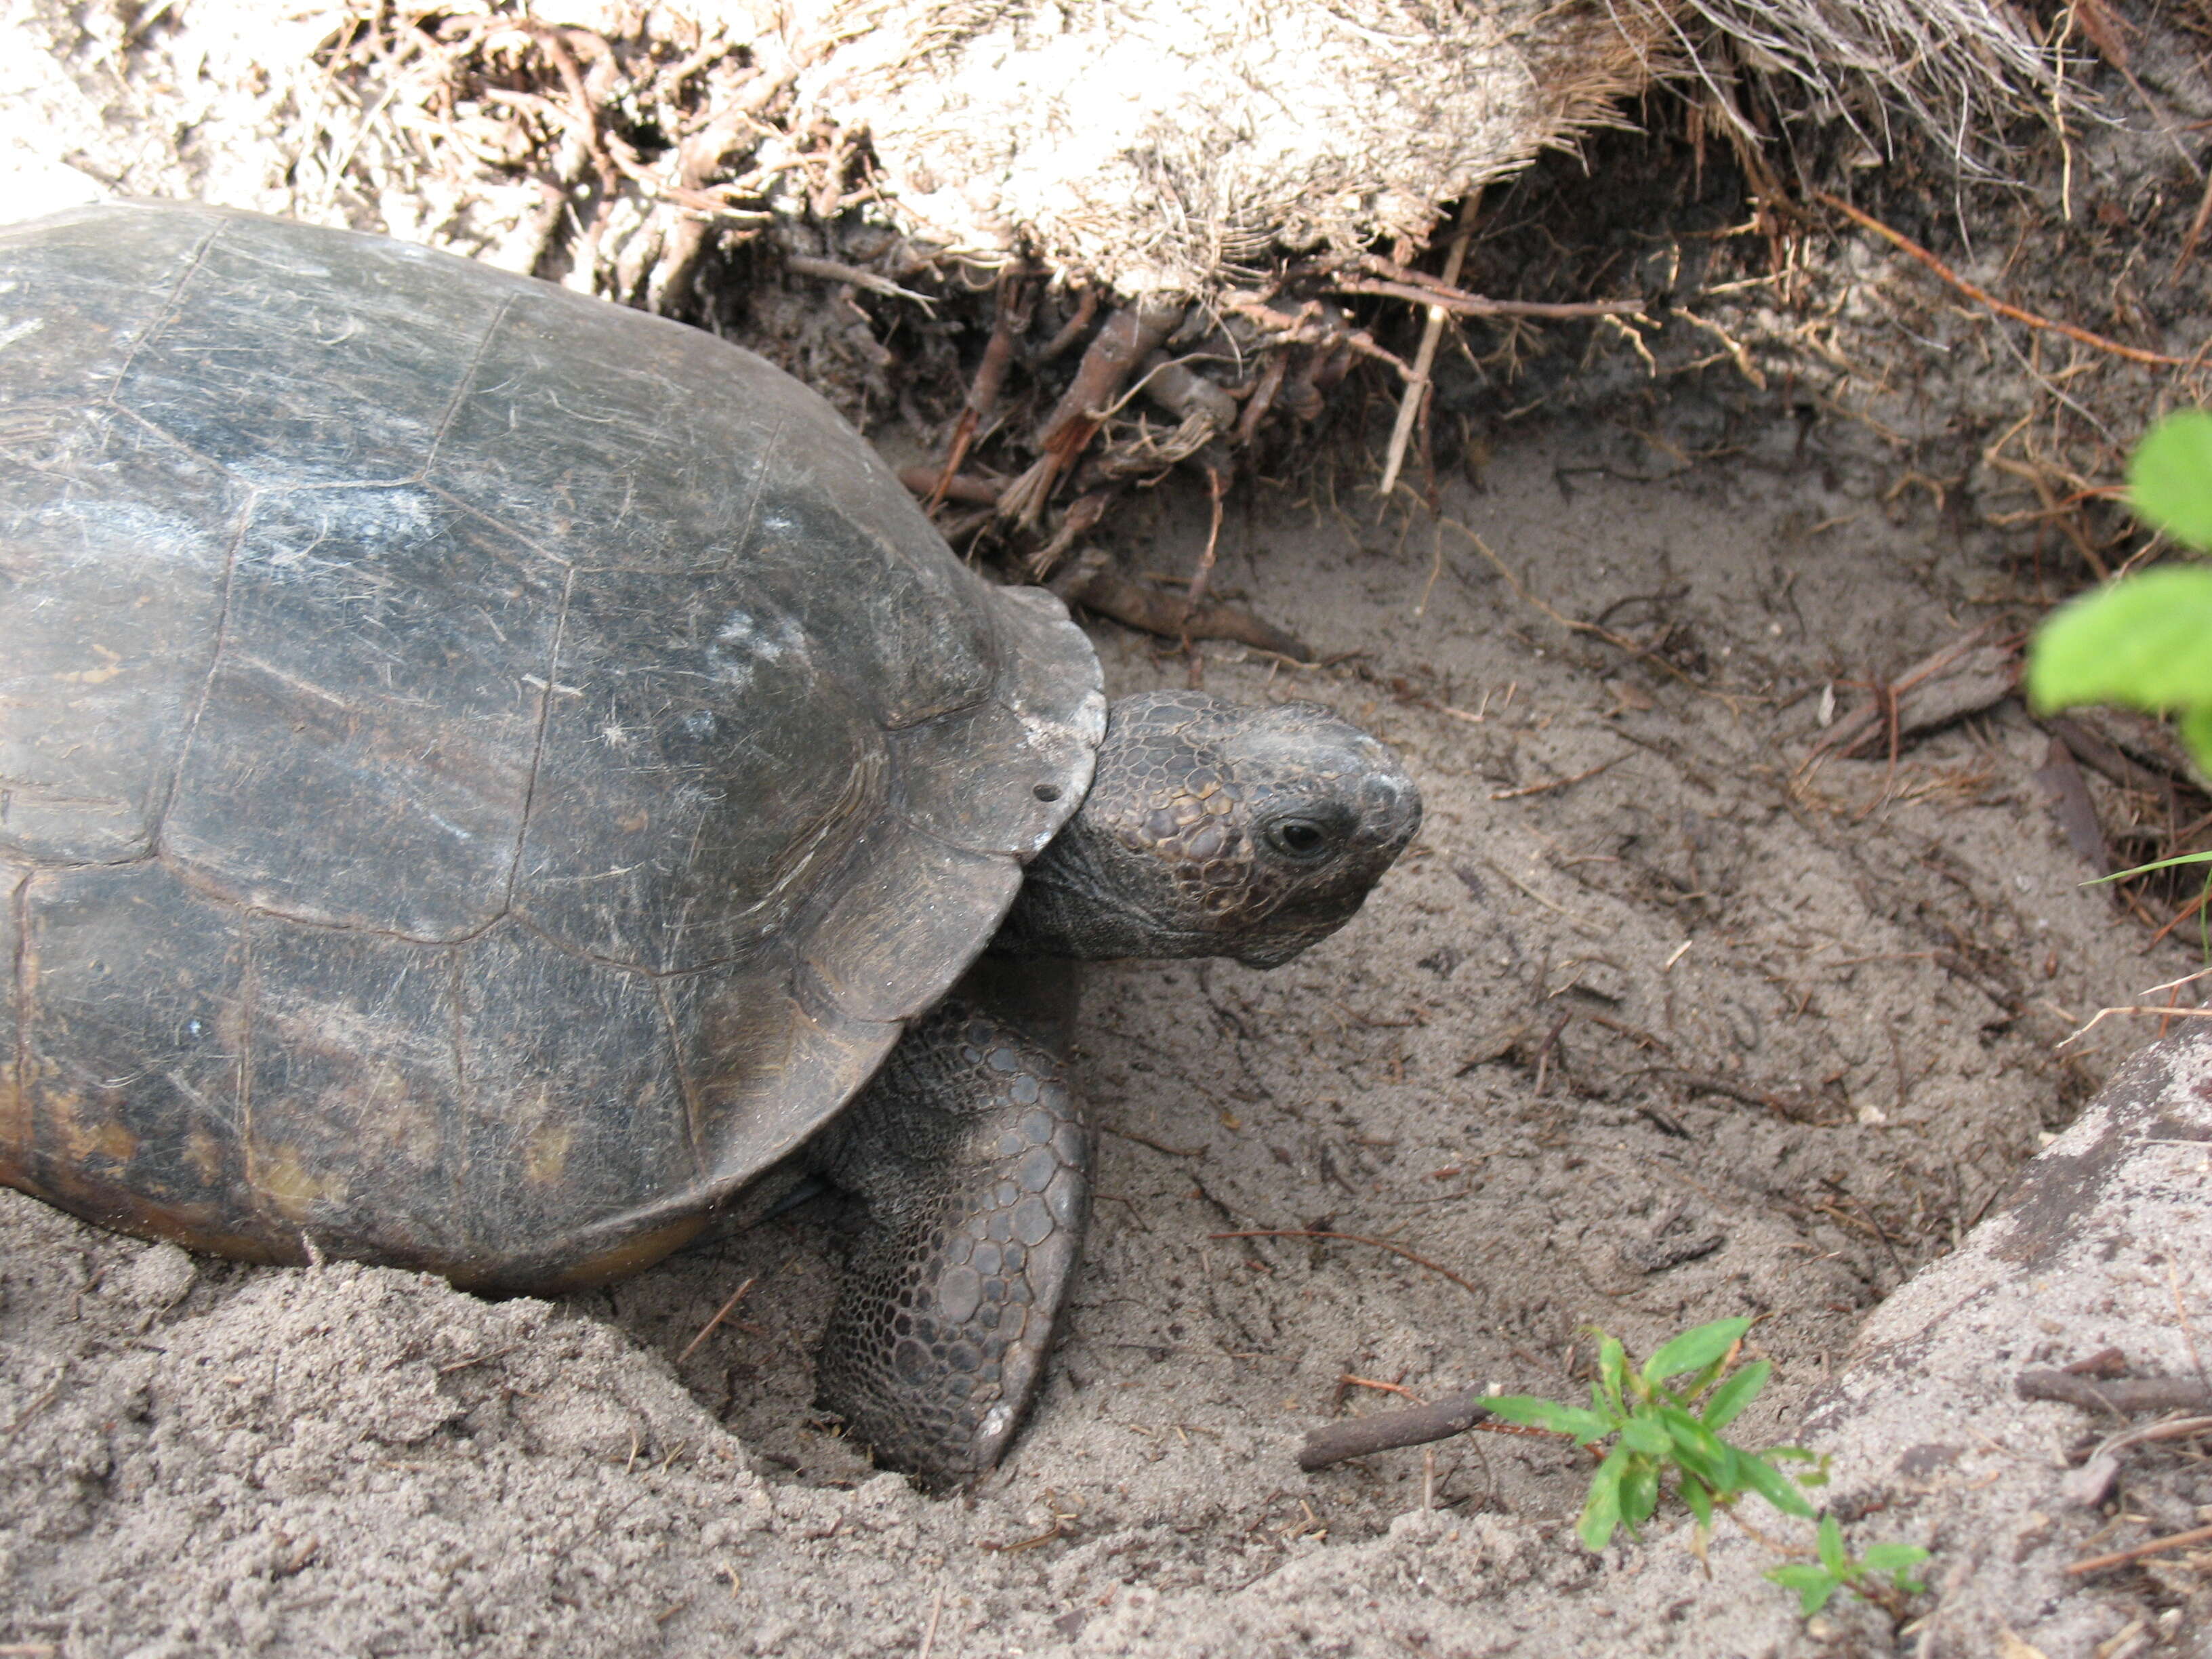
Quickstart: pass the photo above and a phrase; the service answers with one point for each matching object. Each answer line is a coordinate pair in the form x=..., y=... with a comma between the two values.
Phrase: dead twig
x=1217, y=485
x=1982, y=296
x=1128, y=336
x=721, y=1314
x=836, y=270
x=1263, y=399
x=2155, y=1547
x=929, y=1632
x=32, y=1410
x=1967, y=675
x=1417, y=1426
x=1415, y=397
x=2091, y=1483
x=1348, y=1381
x=1477, y=305
x=2092, y=752
x=2122, y=1395
x=1083, y=515
x=1549, y=1046
x=2061, y=783
x=1086, y=307
x=2102, y=1014
x=1316, y=324
x=1010, y=321
x=1092, y=580
x=1160, y=1146
x=1557, y=783
x=936, y=487
x=1800, y=1111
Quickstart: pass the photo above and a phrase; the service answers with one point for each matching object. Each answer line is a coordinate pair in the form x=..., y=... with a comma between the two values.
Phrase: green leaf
x=1892, y=1557
x=2144, y=642
x=2197, y=732
x=1814, y=1584
x=1733, y=1395
x=1643, y=1434
x=1796, y=1573
x=2170, y=478
x=1829, y=1542
x=1700, y=1500
x=1695, y=1349
x=1585, y=1427
x=1698, y=1450
x=1613, y=1372
x=2146, y=869
x=1776, y=1487
x=1601, y=1509
x=1640, y=1492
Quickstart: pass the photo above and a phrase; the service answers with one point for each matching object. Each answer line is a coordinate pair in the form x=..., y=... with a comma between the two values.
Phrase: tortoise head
x=1217, y=830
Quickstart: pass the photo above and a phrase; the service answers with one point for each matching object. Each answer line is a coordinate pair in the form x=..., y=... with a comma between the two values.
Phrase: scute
x=903, y=907
x=701, y=771
x=129, y=535
x=356, y=1120
x=124, y=1074
x=391, y=332
x=610, y=439
x=755, y=1038
x=77, y=300
x=546, y=760
x=369, y=732
x=573, y=1102
x=852, y=562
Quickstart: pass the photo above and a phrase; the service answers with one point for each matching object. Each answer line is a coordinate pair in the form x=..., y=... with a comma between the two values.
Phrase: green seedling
x=1664, y=1419
x=1816, y=1581
x=2145, y=641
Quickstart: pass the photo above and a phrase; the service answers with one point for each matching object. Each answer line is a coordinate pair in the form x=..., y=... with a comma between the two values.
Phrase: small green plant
x=1665, y=1418
x=2145, y=641
x=1816, y=1581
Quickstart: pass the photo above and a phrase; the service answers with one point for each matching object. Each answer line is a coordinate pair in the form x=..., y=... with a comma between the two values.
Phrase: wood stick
x=1358, y=1436
x=1416, y=396
x=1086, y=307
x=1172, y=615
x=1011, y=317
x=1125, y=339
x=2156, y=1547
x=2121, y=1394
x=721, y=1314
x=1879, y=714
x=1477, y=305
x=836, y=270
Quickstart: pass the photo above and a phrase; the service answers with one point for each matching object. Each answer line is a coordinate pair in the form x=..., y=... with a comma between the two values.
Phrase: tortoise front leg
x=972, y=1166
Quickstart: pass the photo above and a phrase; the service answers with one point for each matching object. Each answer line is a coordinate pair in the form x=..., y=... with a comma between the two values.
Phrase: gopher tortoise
x=485, y=774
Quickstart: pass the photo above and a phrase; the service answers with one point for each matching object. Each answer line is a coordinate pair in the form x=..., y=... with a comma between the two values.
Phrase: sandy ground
x=1637, y=1035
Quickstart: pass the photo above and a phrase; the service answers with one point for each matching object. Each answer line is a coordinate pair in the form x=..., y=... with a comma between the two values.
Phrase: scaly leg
x=972, y=1166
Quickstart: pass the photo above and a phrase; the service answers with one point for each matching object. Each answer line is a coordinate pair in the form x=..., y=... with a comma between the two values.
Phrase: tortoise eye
x=1298, y=838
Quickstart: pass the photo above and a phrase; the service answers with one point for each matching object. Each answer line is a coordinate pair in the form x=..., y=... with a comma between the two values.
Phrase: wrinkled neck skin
x=1216, y=829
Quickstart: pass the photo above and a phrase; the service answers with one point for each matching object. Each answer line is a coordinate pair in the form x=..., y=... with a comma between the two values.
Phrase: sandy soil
x=1639, y=1035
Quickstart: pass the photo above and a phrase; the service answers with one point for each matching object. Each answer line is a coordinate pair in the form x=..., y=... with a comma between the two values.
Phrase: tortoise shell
x=484, y=771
